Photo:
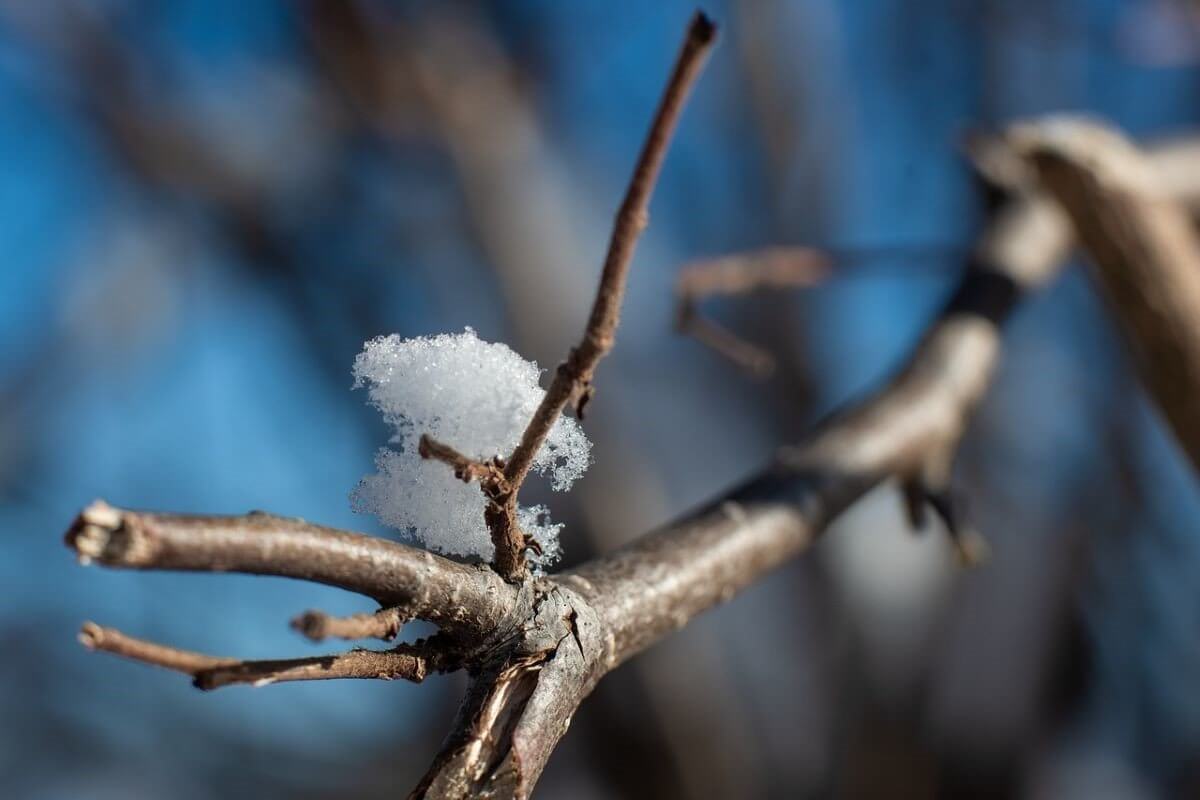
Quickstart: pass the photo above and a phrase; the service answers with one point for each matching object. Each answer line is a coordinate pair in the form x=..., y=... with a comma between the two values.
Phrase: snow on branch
x=475, y=397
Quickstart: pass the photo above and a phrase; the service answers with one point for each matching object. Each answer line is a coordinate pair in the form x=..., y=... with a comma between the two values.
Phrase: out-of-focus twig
x=770, y=268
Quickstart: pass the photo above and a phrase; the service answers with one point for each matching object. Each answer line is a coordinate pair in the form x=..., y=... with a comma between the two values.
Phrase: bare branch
x=109, y=640
x=520, y=706
x=908, y=430
x=460, y=598
x=573, y=378
x=536, y=651
x=660, y=581
x=401, y=663
x=383, y=624
x=210, y=672
x=1144, y=252
x=724, y=342
x=740, y=273
x=619, y=604
x=770, y=268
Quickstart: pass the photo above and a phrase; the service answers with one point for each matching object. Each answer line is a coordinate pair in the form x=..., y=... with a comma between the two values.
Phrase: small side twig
x=770, y=268
x=466, y=469
x=212, y=672
x=110, y=640
x=383, y=624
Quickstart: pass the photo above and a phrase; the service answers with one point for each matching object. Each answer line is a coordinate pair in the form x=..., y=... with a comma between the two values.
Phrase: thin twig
x=211, y=672
x=110, y=640
x=724, y=342
x=388, y=665
x=626, y=601
x=739, y=273
x=537, y=651
x=383, y=624
x=573, y=378
x=1143, y=248
x=466, y=469
x=770, y=268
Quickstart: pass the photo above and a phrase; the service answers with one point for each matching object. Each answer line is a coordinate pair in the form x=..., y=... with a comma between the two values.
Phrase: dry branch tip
x=317, y=626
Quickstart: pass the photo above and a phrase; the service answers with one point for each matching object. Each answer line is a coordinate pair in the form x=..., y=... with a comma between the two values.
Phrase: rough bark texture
x=1144, y=252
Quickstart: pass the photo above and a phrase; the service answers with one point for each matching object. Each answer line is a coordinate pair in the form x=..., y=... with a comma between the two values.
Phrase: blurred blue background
x=207, y=207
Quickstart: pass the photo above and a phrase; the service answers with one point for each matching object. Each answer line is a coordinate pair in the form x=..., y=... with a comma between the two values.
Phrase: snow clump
x=477, y=397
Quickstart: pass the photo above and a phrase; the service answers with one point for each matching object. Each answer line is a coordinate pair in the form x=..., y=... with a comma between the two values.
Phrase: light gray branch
x=1143, y=249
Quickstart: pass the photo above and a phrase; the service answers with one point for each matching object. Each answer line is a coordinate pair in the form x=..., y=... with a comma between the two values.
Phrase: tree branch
x=465, y=468
x=769, y=268
x=536, y=650
x=1143, y=249
x=662, y=580
x=620, y=604
x=464, y=600
x=383, y=624
x=405, y=662
x=573, y=379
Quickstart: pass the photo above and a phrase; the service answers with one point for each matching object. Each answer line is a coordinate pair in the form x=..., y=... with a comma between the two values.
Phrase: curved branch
x=1143, y=249
x=459, y=598
x=909, y=429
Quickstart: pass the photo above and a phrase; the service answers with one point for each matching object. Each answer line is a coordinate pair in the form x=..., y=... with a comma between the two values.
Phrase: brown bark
x=572, y=381
x=383, y=624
